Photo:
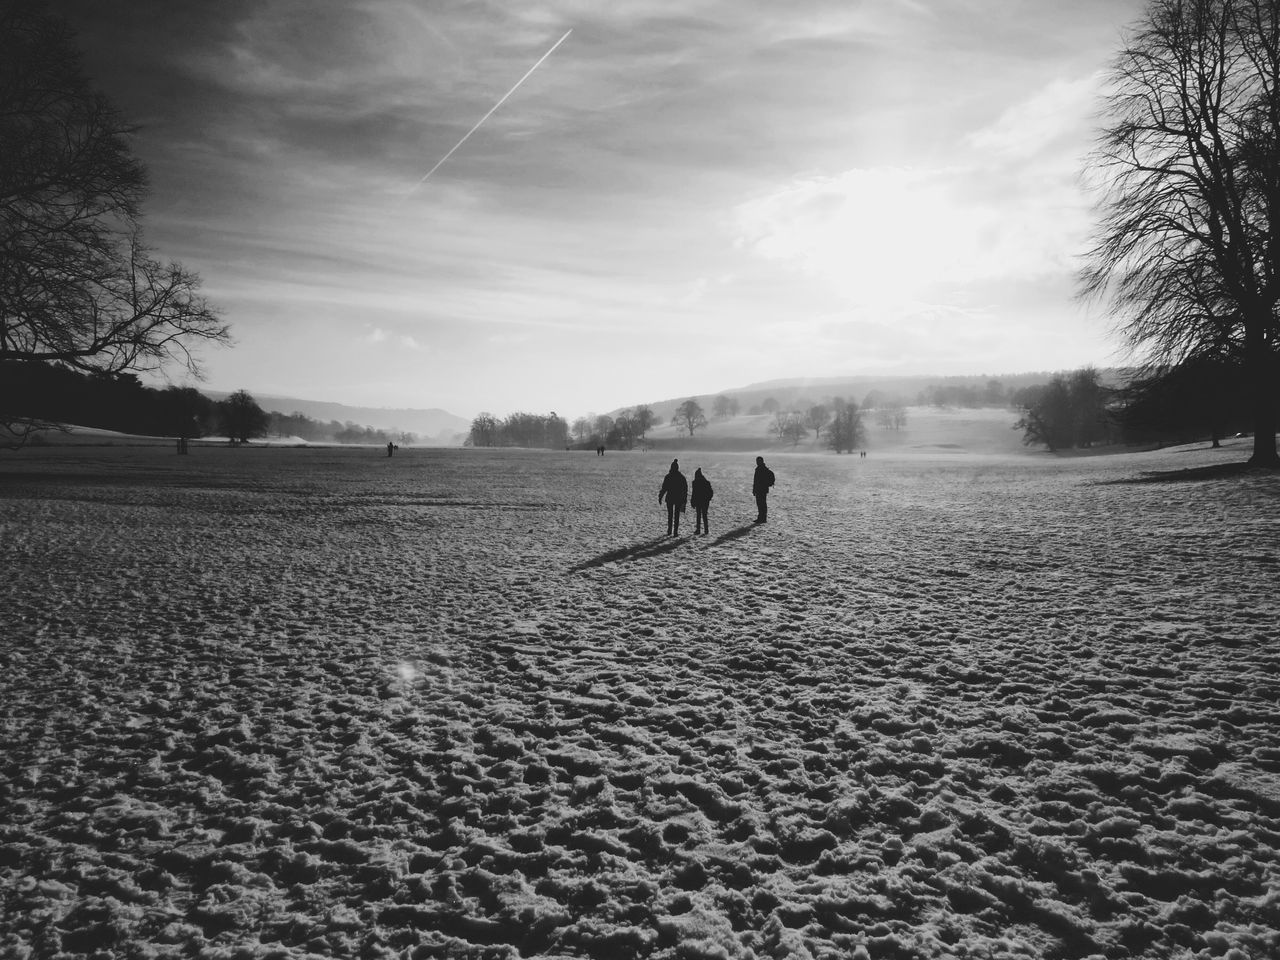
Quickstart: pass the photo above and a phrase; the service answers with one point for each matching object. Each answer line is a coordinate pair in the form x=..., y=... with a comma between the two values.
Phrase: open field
x=985, y=430
x=321, y=702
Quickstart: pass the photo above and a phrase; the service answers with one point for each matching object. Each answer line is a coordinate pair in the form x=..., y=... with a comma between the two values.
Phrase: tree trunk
x=1260, y=367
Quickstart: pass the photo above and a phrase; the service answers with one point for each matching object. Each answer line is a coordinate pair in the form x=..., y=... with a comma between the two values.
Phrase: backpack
x=768, y=476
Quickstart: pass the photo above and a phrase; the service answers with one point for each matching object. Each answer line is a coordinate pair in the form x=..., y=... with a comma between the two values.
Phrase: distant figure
x=600, y=450
x=391, y=448
x=760, y=485
x=700, y=500
x=676, y=489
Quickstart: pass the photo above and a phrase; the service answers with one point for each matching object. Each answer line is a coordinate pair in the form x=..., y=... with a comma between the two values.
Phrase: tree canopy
x=1187, y=252
x=78, y=286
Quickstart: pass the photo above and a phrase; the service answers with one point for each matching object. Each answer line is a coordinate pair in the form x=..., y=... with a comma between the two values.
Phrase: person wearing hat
x=700, y=500
x=675, y=488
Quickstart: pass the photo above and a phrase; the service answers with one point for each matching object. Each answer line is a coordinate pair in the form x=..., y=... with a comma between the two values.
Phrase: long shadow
x=1192, y=474
x=732, y=534
x=638, y=551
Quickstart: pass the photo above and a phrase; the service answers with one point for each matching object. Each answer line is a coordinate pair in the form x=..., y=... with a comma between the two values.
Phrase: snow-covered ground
x=322, y=702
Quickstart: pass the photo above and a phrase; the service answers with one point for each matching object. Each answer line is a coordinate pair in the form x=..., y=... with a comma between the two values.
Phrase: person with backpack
x=700, y=501
x=676, y=489
x=760, y=485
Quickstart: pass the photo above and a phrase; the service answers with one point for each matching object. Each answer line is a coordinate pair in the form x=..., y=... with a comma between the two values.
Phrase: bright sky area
x=686, y=196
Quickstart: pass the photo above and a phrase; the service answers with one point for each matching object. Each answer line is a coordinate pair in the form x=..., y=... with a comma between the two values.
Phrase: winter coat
x=763, y=480
x=675, y=488
x=702, y=493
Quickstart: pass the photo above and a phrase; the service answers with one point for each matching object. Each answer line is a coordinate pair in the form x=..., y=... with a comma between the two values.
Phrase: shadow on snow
x=638, y=551
x=654, y=548
x=734, y=534
x=1187, y=474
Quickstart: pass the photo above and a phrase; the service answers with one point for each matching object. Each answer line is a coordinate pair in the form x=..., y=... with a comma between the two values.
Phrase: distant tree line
x=618, y=433
x=840, y=417
x=1199, y=398
x=1202, y=398
x=1071, y=410
x=964, y=394
x=333, y=431
x=54, y=394
x=546, y=431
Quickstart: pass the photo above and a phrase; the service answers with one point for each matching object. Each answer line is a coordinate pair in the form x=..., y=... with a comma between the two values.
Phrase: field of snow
x=278, y=703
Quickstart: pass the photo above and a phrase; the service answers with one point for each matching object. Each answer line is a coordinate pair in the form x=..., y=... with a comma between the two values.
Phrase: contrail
x=513, y=89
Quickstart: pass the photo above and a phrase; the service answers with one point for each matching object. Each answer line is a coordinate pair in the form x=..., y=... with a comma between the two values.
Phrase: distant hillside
x=928, y=430
x=802, y=391
x=433, y=426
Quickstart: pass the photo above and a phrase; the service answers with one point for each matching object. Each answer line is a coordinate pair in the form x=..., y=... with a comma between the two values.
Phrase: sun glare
x=891, y=235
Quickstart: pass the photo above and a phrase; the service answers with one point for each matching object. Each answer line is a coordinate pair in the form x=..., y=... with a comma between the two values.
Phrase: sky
x=685, y=197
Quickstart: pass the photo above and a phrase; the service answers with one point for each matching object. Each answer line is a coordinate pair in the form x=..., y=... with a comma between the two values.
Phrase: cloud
x=1056, y=115
x=887, y=234
x=1008, y=207
x=772, y=186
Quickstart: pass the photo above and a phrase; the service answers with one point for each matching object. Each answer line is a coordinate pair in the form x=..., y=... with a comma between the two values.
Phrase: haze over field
x=681, y=196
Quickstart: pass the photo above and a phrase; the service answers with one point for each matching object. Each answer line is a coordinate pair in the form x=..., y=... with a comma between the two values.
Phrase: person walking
x=760, y=485
x=675, y=488
x=700, y=500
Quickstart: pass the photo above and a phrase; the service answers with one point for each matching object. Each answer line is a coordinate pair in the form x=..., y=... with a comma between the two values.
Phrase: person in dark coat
x=760, y=485
x=675, y=488
x=700, y=499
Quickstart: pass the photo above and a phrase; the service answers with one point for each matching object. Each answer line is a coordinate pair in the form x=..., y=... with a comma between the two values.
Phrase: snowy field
x=297, y=703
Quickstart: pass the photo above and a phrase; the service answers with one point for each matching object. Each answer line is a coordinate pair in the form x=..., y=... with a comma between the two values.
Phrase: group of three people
x=675, y=490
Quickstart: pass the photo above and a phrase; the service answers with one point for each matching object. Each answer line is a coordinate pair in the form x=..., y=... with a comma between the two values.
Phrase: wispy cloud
x=893, y=180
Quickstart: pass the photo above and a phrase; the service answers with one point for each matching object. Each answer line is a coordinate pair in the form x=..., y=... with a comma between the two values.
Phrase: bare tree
x=484, y=431
x=724, y=407
x=77, y=286
x=625, y=430
x=891, y=414
x=1187, y=253
x=1069, y=411
x=690, y=416
x=789, y=426
x=846, y=432
x=817, y=417
x=644, y=419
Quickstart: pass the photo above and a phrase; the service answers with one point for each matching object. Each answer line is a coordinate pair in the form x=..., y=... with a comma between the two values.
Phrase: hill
x=928, y=431
x=803, y=391
x=433, y=426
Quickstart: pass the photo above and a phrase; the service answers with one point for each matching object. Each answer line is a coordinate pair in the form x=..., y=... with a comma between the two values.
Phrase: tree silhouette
x=1069, y=411
x=846, y=432
x=817, y=417
x=724, y=407
x=689, y=415
x=644, y=419
x=77, y=285
x=1187, y=254
x=241, y=417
